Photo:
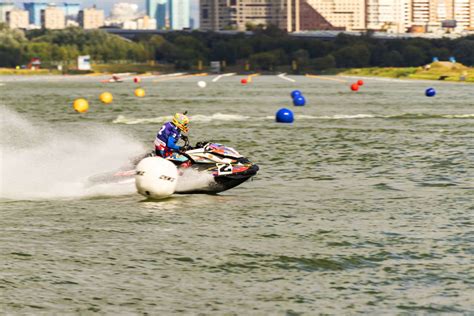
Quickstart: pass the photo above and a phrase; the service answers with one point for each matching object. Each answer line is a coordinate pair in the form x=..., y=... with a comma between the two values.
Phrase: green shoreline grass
x=437, y=71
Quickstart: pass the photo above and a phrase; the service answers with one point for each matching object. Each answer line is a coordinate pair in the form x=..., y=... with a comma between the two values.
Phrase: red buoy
x=136, y=79
x=360, y=82
x=243, y=81
x=355, y=87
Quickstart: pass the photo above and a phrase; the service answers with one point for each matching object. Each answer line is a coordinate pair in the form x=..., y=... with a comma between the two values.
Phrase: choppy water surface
x=363, y=205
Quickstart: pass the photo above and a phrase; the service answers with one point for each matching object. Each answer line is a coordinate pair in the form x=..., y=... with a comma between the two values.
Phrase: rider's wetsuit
x=166, y=139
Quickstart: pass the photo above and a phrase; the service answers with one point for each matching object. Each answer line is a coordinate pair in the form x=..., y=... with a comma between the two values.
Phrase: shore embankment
x=436, y=71
x=445, y=71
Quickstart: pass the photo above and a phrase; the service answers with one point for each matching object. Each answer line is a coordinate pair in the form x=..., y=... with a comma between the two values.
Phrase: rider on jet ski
x=170, y=134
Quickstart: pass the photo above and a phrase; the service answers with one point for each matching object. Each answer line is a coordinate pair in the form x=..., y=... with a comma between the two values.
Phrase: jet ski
x=205, y=168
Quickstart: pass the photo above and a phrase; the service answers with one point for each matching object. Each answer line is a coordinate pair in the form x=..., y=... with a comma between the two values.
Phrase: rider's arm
x=171, y=143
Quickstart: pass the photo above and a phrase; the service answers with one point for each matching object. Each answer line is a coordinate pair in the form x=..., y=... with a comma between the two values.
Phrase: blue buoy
x=299, y=101
x=430, y=92
x=295, y=93
x=284, y=116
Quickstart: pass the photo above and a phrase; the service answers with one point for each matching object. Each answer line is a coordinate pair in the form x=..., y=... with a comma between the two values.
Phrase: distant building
x=310, y=19
x=179, y=13
x=53, y=18
x=350, y=14
x=4, y=8
x=387, y=15
x=91, y=18
x=71, y=10
x=157, y=9
x=237, y=14
x=34, y=11
x=430, y=14
x=17, y=19
x=143, y=23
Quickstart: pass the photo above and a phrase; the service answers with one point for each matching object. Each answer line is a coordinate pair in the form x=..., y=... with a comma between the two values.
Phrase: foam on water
x=42, y=162
x=194, y=118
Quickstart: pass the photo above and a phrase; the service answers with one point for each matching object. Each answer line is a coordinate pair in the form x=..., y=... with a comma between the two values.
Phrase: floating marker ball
x=137, y=79
x=284, y=116
x=430, y=92
x=106, y=97
x=243, y=81
x=202, y=84
x=360, y=82
x=156, y=177
x=295, y=93
x=299, y=101
x=139, y=92
x=355, y=87
x=81, y=105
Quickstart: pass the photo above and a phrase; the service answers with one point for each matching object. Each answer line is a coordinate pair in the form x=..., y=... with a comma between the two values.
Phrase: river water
x=363, y=205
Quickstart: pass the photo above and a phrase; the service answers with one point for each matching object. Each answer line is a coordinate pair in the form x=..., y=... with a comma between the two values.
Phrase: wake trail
x=47, y=162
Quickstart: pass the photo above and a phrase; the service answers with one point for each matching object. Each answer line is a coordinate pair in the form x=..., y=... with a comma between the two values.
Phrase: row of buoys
x=355, y=86
x=285, y=115
x=81, y=105
x=298, y=98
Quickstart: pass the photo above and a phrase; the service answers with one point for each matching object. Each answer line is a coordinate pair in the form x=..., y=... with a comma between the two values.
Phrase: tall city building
x=428, y=13
x=71, y=10
x=350, y=14
x=34, y=11
x=310, y=19
x=387, y=15
x=237, y=14
x=91, y=18
x=53, y=18
x=4, y=8
x=179, y=13
x=463, y=13
x=158, y=10
x=17, y=19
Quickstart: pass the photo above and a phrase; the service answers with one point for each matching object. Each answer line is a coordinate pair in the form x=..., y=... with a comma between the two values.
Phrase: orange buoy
x=80, y=105
x=106, y=97
x=139, y=92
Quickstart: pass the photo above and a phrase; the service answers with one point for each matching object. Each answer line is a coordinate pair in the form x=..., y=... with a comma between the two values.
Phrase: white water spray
x=192, y=179
x=44, y=162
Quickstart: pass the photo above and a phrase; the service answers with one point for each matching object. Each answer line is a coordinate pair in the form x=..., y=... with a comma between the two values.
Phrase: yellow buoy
x=106, y=97
x=139, y=92
x=81, y=105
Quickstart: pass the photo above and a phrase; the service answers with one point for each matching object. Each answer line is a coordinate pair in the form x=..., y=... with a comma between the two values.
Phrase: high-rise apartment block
x=34, y=10
x=4, y=8
x=91, y=18
x=170, y=14
x=237, y=14
x=157, y=9
x=180, y=14
x=53, y=18
x=350, y=14
x=17, y=19
x=395, y=16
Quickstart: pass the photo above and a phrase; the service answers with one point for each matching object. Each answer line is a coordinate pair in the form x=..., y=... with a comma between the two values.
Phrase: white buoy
x=202, y=84
x=156, y=177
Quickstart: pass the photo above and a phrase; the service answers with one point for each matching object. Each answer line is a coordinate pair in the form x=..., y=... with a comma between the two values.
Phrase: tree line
x=266, y=49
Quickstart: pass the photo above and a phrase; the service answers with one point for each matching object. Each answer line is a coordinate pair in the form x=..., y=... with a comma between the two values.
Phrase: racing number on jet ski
x=223, y=169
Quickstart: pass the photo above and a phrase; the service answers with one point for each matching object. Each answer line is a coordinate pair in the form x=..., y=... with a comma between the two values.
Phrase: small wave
x=121, y=119
x=461, y=116
x=239, y=118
